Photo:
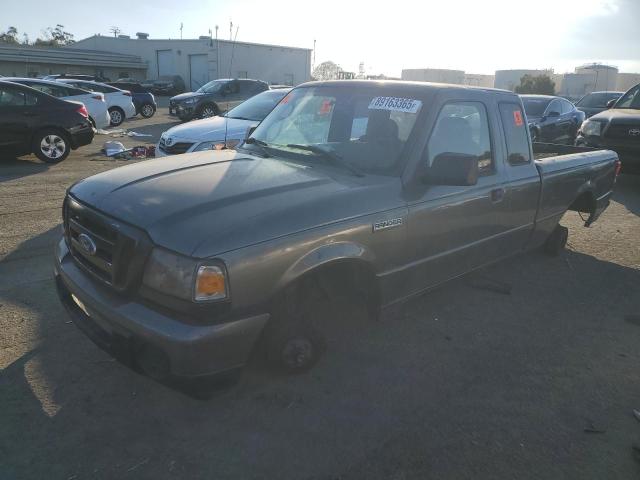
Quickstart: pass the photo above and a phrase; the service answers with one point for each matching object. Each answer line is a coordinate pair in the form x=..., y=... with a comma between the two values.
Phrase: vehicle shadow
x=461, y=358
x=627, y=192
x=12, y=167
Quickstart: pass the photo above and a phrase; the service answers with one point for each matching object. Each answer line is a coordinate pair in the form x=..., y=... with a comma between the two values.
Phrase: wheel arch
x=585, y=202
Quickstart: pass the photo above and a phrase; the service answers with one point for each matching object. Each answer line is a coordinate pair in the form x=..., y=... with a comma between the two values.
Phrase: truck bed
x=572, y=178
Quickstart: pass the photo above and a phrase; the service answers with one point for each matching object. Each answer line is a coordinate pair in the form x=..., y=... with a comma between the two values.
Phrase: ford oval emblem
x=87, y=244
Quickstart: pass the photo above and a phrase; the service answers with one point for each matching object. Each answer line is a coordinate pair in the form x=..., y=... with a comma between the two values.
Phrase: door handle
x=497, y=195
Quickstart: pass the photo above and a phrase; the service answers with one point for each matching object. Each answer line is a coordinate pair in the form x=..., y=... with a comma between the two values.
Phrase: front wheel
x=116, y=115
x=208, y=111
x=293, y=346
x=147, y=110
x=51, y=146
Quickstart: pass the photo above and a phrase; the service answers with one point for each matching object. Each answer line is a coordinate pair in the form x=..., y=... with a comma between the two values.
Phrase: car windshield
x=631, y=99
x=211, y=87
x=258, y=107
x=364, y=129
x=534, y=107
x=597, y=100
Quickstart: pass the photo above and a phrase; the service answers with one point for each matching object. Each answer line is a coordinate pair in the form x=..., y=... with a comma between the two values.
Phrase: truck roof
x=395, y=83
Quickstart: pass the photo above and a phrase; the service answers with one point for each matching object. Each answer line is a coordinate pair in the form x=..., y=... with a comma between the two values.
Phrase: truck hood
x=622, y=116
x=206, y=203
x=183, y=96
x=210, y=129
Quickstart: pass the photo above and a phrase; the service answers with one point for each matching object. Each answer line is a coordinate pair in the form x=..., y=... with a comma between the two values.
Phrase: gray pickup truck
x=374, y=191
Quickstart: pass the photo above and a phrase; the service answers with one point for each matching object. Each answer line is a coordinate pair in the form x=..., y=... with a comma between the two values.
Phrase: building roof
x=68, y=56
x=189, y=40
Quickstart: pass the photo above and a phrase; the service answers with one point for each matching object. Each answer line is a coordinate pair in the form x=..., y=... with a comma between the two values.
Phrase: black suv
x=34, y=122
x=214, y=98
x=617, y=129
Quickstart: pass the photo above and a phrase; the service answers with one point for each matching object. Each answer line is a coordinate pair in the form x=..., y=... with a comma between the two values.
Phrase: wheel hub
x=297, y=352
x=52, y=146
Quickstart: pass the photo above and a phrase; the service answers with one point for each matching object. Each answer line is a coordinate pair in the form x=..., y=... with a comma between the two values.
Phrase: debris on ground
x=117, y=150
x=633, y=319
x=493, y=285
x=591, y=428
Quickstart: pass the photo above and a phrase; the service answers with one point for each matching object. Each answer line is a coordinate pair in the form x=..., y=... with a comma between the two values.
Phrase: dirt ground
x=540, y=383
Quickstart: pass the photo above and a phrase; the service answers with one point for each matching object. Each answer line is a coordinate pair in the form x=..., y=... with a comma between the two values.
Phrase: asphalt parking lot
x=467, y=383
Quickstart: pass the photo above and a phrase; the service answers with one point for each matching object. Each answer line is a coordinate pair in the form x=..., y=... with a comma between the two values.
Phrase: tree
x=326, y=71
x=10, y=36
x=55, y=37
x=540, y=84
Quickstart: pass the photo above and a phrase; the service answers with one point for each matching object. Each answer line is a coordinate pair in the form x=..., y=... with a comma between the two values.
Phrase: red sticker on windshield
x=325, y=108
x=517, y=118
x=286, y=98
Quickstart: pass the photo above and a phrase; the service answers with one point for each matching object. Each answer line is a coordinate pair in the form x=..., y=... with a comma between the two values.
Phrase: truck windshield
x=365, y=129
x=534, y=107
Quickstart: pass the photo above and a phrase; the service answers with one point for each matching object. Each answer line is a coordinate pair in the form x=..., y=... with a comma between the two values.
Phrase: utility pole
x=115, y=30
x=230, y=30
x=181, y=25
x=314, y=55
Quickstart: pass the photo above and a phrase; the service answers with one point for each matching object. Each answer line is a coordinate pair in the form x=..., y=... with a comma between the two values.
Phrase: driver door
x=454, y=229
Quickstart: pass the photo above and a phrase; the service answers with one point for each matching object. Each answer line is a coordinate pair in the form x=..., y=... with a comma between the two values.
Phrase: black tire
x=293, y=346
x=117, y=116
x=51, y=145
x=556, y=241
x=208, y=110
x=147, y=110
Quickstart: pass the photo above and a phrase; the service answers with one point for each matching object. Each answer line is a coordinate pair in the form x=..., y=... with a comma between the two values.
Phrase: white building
x=199, y=61
x=627, y=80
x=436, y=75
x=604, y=76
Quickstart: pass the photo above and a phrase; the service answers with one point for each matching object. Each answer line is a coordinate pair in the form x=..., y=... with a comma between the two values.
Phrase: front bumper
x=128, y=329
x=183, y=112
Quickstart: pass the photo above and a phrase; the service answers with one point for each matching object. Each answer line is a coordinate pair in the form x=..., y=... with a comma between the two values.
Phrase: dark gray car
x=359, y=191
x=214, y=98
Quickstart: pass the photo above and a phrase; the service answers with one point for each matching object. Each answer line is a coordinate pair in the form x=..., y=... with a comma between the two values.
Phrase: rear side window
x=462, y=127
x=515, y=132
x=566, y=107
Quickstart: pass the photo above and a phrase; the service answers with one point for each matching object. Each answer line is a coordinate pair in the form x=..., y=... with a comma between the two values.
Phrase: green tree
x=55, y=37
x=326, y=71
x=10, y=36
x=540, y=84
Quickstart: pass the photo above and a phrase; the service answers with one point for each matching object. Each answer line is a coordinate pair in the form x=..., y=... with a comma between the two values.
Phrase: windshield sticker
x=325, y=108
x=286, y=98
x=395, y=104
x=517, y=118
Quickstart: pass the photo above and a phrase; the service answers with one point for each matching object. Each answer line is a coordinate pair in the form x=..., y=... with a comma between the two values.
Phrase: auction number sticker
x=517, y=118
x=395, y=104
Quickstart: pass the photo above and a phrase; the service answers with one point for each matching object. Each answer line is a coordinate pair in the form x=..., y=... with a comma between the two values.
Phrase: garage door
x=165, y=62
x=198, y=71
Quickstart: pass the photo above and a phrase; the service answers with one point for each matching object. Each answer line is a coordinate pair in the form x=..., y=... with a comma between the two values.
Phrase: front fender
x=324, y=255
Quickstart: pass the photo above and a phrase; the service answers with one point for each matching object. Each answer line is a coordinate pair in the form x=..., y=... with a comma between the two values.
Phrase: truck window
x=515, y=133
x=462, y=127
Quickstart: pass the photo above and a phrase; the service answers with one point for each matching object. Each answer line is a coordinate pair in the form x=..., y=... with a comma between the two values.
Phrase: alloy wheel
x=53, y=146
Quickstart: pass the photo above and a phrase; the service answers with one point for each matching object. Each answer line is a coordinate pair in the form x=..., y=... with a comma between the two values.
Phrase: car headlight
x=591, y=128
x=219, y=145
x=185, y=278
x=189, y=101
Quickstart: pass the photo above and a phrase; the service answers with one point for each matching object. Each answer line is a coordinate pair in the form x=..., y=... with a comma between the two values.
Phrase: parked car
x=34, y=122
x=119, y=102
x=184, y=266
x=214, y=98
x=223, y=131
x=552, y=119
x=618, y=129
x=596, y=102
x=143, y=100
x=95, y=102
x=77, y=76
x=165, y=85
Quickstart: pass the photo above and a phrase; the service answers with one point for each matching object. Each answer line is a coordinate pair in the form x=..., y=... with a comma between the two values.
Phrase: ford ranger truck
x=377, y=191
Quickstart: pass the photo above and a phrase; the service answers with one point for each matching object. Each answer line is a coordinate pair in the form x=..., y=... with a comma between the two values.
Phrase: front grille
x=176, y=148
x=622, y=132
x=117, y=252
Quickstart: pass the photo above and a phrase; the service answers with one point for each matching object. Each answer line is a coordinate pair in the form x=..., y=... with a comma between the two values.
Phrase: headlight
x=189, y=101
x=591, y=128
x=185, y=278
x=209, y=146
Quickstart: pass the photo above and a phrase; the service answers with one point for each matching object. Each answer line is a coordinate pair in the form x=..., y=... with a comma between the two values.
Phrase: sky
x=477, y=36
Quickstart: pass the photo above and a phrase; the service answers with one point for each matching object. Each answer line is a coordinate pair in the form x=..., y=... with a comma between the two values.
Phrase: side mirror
x=453, y=169
x=249, y=131
x=611, y=103
x=553, y=114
